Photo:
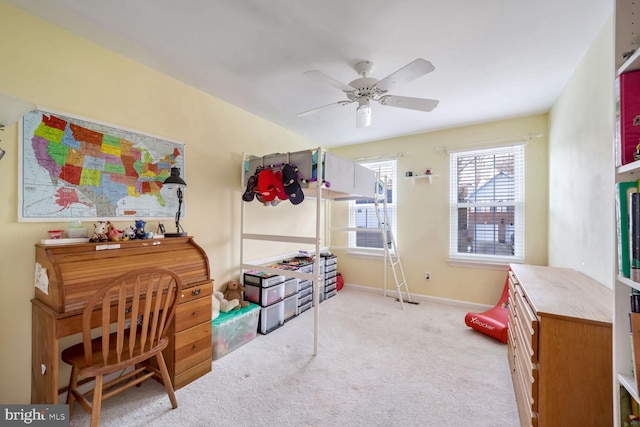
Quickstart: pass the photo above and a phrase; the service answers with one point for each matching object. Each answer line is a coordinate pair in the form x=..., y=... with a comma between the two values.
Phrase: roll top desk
x=67, y=275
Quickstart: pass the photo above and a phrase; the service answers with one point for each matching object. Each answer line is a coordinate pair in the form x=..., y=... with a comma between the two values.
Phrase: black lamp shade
x=175, y=179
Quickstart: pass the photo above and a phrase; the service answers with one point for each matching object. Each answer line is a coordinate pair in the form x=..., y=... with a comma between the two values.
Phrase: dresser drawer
x=524, y=340
x=527, y=322
x=192, y=346
x=511, y=350
x=523, y=344
x=528, y=373
x=524, y=398
x=192, y=373
x=193, y=313
x=522, y=353
x=195, y=292
x=511, y=341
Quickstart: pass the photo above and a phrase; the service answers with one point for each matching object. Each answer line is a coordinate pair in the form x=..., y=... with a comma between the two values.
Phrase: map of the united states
x=74, y=168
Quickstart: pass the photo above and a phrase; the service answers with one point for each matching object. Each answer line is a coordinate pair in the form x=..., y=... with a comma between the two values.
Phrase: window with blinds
x=363, y=212
x=487, y=205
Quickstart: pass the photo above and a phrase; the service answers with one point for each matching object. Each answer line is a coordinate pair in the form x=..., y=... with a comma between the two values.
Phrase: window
x=363, y=212
x=487, y=205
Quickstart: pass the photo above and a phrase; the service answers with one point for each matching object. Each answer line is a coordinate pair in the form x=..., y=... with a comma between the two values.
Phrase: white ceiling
x=493, y=59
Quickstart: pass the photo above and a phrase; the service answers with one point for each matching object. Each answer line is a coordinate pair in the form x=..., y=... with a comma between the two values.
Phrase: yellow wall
x=55, y=69
x=423, y=210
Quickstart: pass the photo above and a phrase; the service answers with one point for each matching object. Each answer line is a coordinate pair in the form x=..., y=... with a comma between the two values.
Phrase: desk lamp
x=174, y=181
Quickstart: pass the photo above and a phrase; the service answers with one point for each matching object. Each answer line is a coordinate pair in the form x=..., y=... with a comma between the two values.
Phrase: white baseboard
x=420, y=297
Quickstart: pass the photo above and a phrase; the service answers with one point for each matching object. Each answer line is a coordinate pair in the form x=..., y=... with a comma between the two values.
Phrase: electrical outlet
x=427, y=275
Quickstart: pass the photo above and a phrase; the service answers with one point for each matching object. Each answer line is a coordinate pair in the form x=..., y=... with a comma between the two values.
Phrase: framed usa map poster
x=75, y=168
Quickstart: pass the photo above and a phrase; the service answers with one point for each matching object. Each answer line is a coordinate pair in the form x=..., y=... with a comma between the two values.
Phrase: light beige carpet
x=377, y=365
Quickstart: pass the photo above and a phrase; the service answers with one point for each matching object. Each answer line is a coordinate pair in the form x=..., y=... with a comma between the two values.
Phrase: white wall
x=581, y=174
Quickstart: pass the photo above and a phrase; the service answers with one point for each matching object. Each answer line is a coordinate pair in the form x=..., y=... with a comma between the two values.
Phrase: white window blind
x=487, y=205
x=362, y=213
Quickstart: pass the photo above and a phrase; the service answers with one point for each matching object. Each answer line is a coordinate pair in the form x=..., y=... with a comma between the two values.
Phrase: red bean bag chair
x=495, y=321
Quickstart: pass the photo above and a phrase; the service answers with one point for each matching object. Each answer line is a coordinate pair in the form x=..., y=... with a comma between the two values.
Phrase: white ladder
x=389, y=243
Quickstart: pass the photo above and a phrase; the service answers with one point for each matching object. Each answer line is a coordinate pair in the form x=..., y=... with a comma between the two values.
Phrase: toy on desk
x=101, y=231
x=128, y=233
x=140, y=233
x=114, y=234
x=233, y=289
x=55, y=234
x=222, y=305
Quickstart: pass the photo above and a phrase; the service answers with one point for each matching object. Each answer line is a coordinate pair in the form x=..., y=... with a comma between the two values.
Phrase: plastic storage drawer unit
x=305, y=307
x=233, y=329
x=271, y=318
x=330, y=260
x=290, y=307
x=261, y=279
x=264, y=296
x=330, y=268
x=305, y=296
x=308, y=269
x=290, y=287
x=329, y=288
x=304, y=284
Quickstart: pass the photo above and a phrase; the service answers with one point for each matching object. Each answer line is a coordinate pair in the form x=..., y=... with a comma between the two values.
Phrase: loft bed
x=340, y=179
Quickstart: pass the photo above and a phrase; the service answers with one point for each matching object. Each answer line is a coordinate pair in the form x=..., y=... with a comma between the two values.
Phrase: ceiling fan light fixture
x=365, y=89
x=363, y=115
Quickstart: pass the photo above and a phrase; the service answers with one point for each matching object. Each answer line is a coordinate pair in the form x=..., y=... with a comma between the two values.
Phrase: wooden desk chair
x=145, y=298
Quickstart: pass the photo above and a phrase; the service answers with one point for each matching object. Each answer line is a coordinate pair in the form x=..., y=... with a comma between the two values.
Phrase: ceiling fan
x=366, y=89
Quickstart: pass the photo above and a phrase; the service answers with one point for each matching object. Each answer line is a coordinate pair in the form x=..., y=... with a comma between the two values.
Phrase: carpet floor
x=377, y=365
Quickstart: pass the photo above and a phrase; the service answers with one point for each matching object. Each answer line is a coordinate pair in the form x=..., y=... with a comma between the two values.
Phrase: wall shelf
x=423, y=176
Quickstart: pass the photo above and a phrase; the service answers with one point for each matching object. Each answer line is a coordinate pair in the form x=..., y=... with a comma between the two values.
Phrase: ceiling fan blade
x=409, y=72
x=324, y=107
x=421, y=104
x=322, y=77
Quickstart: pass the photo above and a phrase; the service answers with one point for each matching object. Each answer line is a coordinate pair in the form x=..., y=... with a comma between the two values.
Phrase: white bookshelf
x=627, y=58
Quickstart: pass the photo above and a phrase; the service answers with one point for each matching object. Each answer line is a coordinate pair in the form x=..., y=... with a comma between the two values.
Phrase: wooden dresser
x=559, y=347
x=67, y=275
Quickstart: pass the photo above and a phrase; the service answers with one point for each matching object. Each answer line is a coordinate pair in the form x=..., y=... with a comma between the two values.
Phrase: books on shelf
x=627, y=135
x=623, y=194
x=634, y=334
x=628, y=229
x=634, y=235
x=635, y=345
x=635, y=301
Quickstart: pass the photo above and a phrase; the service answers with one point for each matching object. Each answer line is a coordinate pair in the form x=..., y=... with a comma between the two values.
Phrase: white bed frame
x=342, y=179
